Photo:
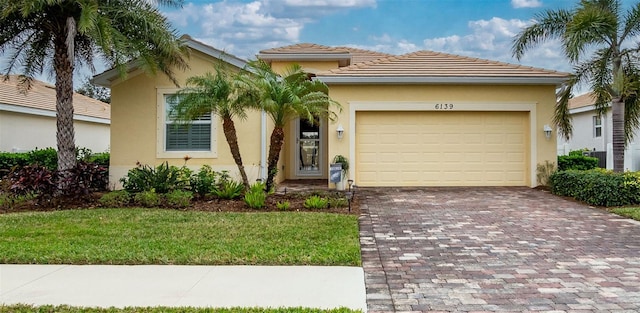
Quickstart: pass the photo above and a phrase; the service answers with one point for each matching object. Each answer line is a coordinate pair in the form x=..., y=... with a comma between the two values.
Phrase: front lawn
x=633, y=213
x=157, y=236
x=67, y=309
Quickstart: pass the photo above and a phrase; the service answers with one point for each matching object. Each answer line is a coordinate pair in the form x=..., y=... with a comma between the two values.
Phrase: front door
x=308, y=150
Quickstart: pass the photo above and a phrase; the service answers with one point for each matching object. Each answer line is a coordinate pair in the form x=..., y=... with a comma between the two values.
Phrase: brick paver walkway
x=495, y=249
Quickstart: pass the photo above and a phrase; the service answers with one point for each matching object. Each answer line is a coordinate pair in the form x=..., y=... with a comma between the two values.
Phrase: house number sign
x=444, y=106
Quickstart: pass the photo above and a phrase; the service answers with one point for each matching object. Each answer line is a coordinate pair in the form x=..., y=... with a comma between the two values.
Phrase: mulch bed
x=296, y=200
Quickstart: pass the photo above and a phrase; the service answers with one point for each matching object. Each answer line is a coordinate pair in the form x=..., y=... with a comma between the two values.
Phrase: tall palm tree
x=60, y=34
x=285, y=98
x=219, y=94
x=601, y=42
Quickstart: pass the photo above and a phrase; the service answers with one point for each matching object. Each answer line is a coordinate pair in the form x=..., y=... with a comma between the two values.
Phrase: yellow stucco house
x=419, y=119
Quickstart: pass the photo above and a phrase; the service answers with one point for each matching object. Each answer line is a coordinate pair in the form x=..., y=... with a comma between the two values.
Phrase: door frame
x=295, y=154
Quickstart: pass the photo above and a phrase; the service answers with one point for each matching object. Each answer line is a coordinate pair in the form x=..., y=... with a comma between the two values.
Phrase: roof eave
x=106, y=78
x=337, y=80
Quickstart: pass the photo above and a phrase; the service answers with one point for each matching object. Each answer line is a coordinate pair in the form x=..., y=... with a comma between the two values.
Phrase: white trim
x=106, y=78
x=47, y=113
x=160, y=132
x=333, y=79
x=322, y=162
x=355, y=106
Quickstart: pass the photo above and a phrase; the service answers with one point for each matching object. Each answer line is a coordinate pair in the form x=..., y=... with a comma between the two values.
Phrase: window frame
x=597, y=126
x=162, y=122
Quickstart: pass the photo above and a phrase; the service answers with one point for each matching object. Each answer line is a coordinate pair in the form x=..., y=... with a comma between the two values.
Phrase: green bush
x=205, y=180
x=283, y=205
x=338, y=202
x=162, y=179
x=575, y=161
x=147, y=199
x=316, y=202
x=598, y=187
x=44, y=157
x=255, y=199
x=115, y=199
x=228, y=189
x=100, y=158
x=178, y=198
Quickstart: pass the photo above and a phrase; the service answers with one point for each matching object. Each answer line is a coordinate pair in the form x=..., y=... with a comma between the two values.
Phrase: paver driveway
x=495, y=249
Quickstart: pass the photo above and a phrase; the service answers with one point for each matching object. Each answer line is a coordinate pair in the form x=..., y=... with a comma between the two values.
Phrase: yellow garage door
x=442, y=148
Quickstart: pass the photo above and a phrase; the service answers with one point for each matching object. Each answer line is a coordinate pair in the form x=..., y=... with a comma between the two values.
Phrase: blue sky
x=476, y=28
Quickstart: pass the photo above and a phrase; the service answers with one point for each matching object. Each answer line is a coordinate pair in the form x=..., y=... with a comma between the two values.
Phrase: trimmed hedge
x=576, y=162
x=45, y=157
x=598, y=186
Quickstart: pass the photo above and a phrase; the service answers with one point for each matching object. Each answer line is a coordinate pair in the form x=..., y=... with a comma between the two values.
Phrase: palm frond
x=547, y=25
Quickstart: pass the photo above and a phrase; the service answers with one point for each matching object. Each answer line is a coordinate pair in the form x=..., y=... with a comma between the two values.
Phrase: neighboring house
x=594, y=133
x=419, y=119
x=28, y=120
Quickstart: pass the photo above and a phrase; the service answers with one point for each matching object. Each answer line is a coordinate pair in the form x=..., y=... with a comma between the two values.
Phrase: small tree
x=218, y=94
x=285, y=98
x=92, y=91
x=611, y=70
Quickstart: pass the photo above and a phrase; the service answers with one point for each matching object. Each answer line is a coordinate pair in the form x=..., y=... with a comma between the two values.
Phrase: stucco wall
x=136, y=125
x=21, y=132
x=542, y=98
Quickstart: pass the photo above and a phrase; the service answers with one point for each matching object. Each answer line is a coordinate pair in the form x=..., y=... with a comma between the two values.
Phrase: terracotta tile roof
x=580, y=101
x=437, y=64
x=43, y=96
x=362, y=55
x=305, y=48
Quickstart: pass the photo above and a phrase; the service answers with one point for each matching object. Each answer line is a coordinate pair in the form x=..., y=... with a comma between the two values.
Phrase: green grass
x=633, y=213
x=20, y=308
x=154, y=236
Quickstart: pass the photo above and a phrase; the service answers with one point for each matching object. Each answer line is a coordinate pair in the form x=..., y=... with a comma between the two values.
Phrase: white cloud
x=244, y=28
x=526, y=3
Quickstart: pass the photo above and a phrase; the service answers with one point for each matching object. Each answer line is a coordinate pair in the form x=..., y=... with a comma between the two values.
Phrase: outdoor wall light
x=547, y=131
x=340, y=131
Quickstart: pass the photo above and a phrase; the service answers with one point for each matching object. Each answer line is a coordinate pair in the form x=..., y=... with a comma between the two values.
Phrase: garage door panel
x=441, y=148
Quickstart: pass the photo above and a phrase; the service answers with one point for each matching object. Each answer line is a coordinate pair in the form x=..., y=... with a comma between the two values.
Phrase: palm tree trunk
x=229, y=129
x=618, y=134
x=275, y=146
x=65, y=135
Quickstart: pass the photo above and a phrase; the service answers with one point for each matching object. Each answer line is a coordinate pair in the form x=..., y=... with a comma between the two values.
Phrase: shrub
x=255, y=199
x=316, y=202
x=11, y=161
x=228, y=189
x=338, y=202
x=205, y=180
x=33, y=179
x=44, y=157
x=86, y=178
x=100, y=158
x=283, y=205
x=115, y=199
x=161, y=179
x=576, y=162
x=147, y=199
x=598, y=186
x=179, y=198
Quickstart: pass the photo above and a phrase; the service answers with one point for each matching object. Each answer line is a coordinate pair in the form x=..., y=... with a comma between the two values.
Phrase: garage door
x=442, y=148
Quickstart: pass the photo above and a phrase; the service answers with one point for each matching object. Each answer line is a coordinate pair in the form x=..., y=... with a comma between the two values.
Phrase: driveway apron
x=497, y=249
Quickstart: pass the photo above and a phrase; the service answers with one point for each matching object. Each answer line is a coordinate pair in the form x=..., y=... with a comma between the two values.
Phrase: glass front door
x=308, y=150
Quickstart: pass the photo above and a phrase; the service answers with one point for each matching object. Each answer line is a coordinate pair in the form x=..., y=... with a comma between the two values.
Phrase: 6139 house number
x=444, y=106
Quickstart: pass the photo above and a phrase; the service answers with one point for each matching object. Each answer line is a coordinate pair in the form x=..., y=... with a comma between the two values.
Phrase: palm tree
x=610, y=70
x=285, y=98
x=59, y=34
x=219, y=94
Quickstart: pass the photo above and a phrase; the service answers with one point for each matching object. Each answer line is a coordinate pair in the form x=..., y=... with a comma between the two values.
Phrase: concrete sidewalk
x=174, y=286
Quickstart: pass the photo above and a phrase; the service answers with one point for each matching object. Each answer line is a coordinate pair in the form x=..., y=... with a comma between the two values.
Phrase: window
x=597, y=126
x=195, y=136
